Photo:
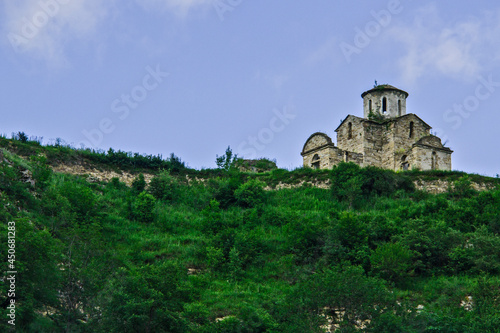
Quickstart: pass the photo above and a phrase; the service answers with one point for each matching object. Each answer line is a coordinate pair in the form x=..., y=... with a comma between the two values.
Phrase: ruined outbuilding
x=386, y=137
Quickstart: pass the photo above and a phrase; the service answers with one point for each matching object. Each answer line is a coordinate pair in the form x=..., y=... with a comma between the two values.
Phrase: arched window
x=370, y=105
x=404, y=163
x=434, y=161
x=399, y=107
x=346, y=157
x=384, y=105
x=315, y=162
x=411, y=130
x=349, y=131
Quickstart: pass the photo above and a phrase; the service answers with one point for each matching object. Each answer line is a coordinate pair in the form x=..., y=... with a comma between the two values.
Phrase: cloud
x=328, y=51
x=42, y=28
x=45, y=29
x=275, y=81
x=179, y=7
x=461, y=50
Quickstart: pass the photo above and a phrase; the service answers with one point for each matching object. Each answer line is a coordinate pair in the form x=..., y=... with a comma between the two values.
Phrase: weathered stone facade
x=386, y=137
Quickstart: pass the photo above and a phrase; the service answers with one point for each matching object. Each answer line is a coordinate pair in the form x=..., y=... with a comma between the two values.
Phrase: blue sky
x=194, y=76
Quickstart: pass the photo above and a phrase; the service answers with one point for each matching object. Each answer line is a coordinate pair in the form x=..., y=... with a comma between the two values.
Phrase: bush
x=431, y=243
x=144, y=207
x=391, y=261
x=20, y=136
x=251, y=193
x=42, y=173
x=462, y=188
x=478, y=254
x=226, y=161
x=164, y=187
x=212, y=218
x=223, y=190
x=344, y=289
x=139, y=184
x=346, y=183
x=145, y=299
x=304, y=239
x=350, y=182
x=82, y=200
x=383, y=182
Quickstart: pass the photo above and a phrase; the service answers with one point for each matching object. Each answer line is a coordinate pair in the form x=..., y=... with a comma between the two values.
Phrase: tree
x=146, y=299
x=144, y=206
x=391, y=261
x=164, y=187
x=139, y=184
x=341, y=295
x=346, y=183
x=251, y=193
x=226, y=162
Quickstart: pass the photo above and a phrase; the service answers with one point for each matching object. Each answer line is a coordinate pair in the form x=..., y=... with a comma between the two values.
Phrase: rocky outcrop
x=95, y=175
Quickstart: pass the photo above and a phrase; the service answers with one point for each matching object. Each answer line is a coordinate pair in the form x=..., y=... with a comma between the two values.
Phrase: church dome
x=384, y=100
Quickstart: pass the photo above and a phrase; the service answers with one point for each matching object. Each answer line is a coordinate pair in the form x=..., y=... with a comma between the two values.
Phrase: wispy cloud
x=274, y=80
x=45, y=30
x=460, y=50
x=42, y=28
x=179, y=7
x=328, y=51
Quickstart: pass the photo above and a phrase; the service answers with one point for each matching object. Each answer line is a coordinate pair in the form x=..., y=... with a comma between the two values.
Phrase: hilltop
x=97, y=166
x=122, y=242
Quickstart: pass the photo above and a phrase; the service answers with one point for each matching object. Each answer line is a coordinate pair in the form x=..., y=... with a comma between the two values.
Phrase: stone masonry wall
x=353, y=157
x=373, y=143
x=327, y=156
x=393, y=97
x=389, y=146
x=427, y=158
x=402, y=142
x=315, y=142
x=355, y=143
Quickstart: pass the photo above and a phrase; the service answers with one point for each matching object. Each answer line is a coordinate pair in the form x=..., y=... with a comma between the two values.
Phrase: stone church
x=386, y=137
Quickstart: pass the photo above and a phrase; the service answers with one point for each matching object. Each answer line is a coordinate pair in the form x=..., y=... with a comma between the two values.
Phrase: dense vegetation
x=221, y=254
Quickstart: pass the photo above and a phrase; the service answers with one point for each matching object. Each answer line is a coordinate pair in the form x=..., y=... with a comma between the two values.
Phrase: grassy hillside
x=218, y=253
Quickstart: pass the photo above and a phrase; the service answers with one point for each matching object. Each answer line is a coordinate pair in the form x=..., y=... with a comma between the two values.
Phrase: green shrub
x=342, y=288
x=215, y=258
x=144, y=207
x=224, y=188
x=350, y=182
x=391, y=261
x=431, y=243
x=226, y=161
x=479, y=254
x=147, y=299
x=212, y=218
x=346, y=182
x=139, y=184
x=462, y=187
x=57, y=209
x=304, y=239
x=82, y=200
x=42, y=173
x=251, y=193
x=164, y=187
x=20, y=136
